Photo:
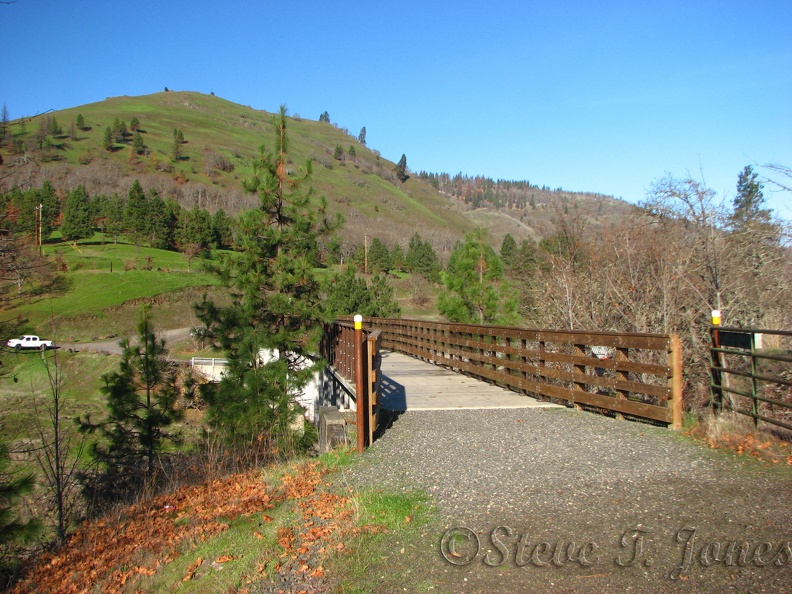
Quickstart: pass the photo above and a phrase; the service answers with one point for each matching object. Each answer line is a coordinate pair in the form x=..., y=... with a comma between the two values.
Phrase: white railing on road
x=214, y=369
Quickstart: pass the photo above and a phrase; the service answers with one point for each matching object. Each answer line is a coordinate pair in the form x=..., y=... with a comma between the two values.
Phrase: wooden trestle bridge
x=627, y=375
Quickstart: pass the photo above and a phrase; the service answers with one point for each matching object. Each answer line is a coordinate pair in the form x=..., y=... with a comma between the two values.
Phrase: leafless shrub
x=214, y=161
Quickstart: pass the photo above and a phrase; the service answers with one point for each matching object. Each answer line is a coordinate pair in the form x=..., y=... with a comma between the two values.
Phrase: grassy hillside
x=221, y=141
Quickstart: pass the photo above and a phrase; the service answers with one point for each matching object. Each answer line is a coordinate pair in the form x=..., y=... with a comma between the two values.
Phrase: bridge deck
x=411, y=384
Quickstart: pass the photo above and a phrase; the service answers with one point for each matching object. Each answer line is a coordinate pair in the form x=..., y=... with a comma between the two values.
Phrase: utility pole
x=38, y=210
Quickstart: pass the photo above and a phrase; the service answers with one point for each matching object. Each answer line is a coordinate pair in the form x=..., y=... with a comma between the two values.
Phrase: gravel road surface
x=558, y=500
x=111, y=346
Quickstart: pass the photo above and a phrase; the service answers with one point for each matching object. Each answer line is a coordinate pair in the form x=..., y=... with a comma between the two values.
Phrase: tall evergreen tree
x=362, y=136
x=136, y=214
x=77, y=220
x=508, y=248
x=379, y=259
x=401, y=169
x=53, y=127
x=222, y=229
x=749, y=201
x=137, y=143
x=141, y=407
x=474, y=289
x=113, y=214
x=397, y=257
x=50, y=206
x=348, y=294
x=195, y=229
x=13, y=485
x=422, y=259
x=163, y=220
x=4, y=121
x=176, y=153
x=41, y=133
x=276, y=301
x=80, y=121
x=107, y=140
x=119, y=130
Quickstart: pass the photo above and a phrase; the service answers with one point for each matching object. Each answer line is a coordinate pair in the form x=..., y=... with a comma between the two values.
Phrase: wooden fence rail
x=636, y=375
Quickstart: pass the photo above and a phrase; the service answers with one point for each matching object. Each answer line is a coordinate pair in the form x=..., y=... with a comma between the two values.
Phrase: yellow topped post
x=360, y=386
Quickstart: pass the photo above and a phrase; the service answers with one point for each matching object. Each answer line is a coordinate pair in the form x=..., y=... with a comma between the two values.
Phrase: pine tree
x=749, y=201
x=474, y=289
x=195, y=230
x=276, y=302
x=13, y=485
x=222, y=229
x=77, y=223
x=114, y=217
x=141, y=406
x=379, y=259
x=119, y=130
x=4, y=121
x=138, y=144
x=107, y=141
x=422, y=259
x=80, y=121
x=362, y=136
x=348, y=294
x=53, y=127
x=176, y=153
x=136, y=214
x=397, y=258
x=508, y=248
x=163, y=220
x=51, y=207
x=401, y=169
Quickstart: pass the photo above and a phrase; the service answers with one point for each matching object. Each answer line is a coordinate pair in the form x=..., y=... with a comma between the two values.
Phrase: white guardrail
x=211, y=368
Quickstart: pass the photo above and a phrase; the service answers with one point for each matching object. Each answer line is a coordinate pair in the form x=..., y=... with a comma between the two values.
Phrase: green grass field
x=100, y=289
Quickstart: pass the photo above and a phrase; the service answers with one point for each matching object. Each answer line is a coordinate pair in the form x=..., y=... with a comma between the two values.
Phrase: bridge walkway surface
x=411, y=384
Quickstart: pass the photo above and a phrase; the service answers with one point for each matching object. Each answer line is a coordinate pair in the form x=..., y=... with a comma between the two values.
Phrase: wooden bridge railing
x=357, y=358
x=636, y=375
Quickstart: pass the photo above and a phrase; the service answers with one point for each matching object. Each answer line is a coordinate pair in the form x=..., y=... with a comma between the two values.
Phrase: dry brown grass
x=731, y=431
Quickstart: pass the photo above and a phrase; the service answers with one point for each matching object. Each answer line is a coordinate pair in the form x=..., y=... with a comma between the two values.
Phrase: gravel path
x=584, y=503
x=111, y=346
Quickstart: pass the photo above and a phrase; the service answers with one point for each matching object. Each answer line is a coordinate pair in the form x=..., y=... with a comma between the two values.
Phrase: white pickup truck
x=28, y=341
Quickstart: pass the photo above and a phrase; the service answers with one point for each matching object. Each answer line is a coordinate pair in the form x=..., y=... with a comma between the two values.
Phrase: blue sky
x=599, y=96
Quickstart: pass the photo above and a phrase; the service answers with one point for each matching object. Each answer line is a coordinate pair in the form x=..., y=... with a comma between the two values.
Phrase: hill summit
x=197, y=149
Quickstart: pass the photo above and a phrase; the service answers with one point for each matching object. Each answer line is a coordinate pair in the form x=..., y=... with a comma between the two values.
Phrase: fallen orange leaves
x=110, y=552
x=192, y=569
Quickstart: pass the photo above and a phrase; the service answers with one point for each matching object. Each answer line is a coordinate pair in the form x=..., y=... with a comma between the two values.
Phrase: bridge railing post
x=675, y=381
x=360, y=386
